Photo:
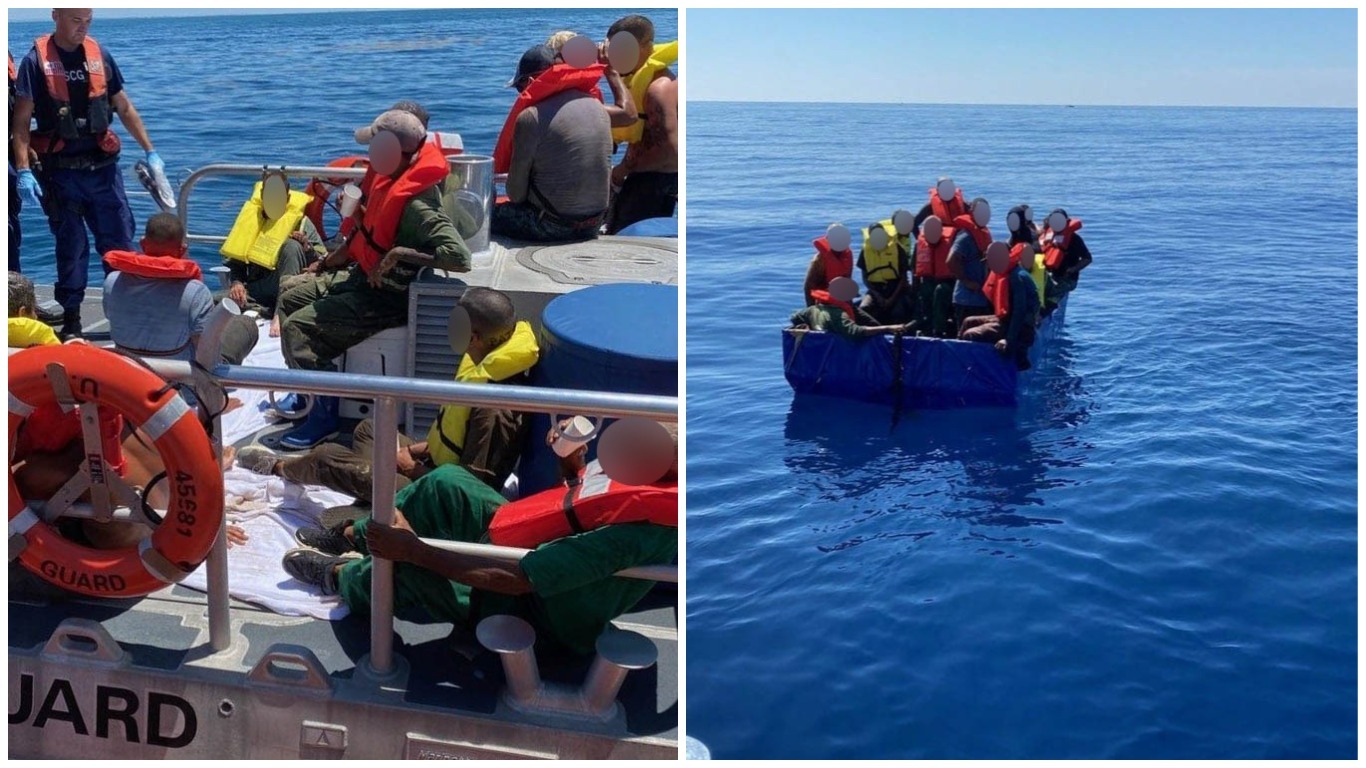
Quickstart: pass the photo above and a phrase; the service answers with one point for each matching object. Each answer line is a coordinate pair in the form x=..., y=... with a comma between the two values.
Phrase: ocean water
x=293, y=88
x=1154, y=556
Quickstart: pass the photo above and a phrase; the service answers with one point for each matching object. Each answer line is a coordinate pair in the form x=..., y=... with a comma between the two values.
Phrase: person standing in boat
x=556, y=148
x=935, y=305
x=1065, y=254
x=72, y=85
x=885, y=262
x=401, y=228
x=16, y=204
x=833, y=259
x=1015, y=305
x=967, y=262
x=157, y=303
x=646, y=179
x=834, y=312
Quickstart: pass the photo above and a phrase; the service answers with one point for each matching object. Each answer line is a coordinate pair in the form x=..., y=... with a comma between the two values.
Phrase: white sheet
x=270, y=510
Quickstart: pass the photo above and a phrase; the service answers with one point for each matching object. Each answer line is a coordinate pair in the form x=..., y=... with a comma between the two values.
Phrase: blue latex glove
x=154, y=162
x=29, y=188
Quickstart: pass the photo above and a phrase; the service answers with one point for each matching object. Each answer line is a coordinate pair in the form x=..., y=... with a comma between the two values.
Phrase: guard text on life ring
x=195, y=514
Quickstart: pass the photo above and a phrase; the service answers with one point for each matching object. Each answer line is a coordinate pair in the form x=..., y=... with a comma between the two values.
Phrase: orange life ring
x=321, y=189
x=181, y=542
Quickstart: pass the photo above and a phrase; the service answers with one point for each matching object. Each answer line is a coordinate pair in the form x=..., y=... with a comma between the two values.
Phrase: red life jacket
x=933, y=260
x=594, y=503
x=949, y=210
x=321, y=188
x=1016, y=253
x=386, y=199
x=557, y=79
x=836, y=264
x=997, y=289
x=156, y=267
x=63, y=121
x=824, y=297
x=981, y=235
x=1054, y=254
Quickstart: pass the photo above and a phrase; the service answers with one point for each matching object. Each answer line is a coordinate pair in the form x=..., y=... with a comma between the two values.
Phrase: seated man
x=833, y=312
x=885, y=262
x=486, y=441
x=157, y=303
x=256, y=286
x=646, y=179
x=1015, y=302
x=565, y=588
x=400, y=228
x=560, y=141
x=25, y=329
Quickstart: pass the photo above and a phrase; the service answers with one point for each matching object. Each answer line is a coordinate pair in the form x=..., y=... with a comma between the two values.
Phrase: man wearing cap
x=486, y=441
x=399, y=228
x=73, y=87
x=647, y=177
x=560, y=142
x=565, y=587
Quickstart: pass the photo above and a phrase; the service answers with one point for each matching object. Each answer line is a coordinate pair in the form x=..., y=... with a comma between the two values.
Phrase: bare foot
x=229, y=454
x=233, y=404
x=275, y=327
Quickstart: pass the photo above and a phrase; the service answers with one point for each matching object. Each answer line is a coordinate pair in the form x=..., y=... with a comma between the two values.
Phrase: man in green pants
x=564, y=588
x=400, y=228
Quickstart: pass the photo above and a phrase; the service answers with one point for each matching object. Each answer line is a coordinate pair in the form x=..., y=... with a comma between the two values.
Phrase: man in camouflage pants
x=400, y=229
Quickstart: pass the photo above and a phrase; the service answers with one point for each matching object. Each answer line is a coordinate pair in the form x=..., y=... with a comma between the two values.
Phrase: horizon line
x=693, y=100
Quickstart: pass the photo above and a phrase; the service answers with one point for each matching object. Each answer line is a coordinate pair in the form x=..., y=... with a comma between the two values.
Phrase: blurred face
x=73, y=24
x=933, y=230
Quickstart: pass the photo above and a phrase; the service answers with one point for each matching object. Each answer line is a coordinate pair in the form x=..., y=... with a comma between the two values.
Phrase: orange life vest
x=997, y=290
x=1054, y=254
x=980, y=235
x=387, y=198
x=595, y=502
x=321, y=188
x=156, y=267
x=839, y=264
x=824, y=297
x=949, y=210
x=557, y=79
x=933, y=260
x=63, y=120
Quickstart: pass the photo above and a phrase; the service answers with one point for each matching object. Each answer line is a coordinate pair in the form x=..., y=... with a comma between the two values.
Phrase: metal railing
x=386, y=392
x=289, y=172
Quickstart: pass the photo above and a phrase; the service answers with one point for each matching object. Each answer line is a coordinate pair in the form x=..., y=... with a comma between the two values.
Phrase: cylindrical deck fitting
x=512, y=639
x=619, y=652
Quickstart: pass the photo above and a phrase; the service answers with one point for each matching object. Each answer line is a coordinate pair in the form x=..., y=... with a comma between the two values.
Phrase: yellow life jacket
x=446, y=437
x=25, y=332
x=256, y=239
x=884, y=266
x=1040, y=274
x=662, y=56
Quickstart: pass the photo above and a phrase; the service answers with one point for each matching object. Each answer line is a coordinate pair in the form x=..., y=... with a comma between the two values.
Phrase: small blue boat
x=934, y=373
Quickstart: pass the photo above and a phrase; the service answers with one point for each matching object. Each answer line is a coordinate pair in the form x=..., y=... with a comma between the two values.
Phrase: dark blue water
x=293, y=88
x=1155, y=556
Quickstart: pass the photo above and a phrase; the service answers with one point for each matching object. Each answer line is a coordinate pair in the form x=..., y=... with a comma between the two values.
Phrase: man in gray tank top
x=558, y=182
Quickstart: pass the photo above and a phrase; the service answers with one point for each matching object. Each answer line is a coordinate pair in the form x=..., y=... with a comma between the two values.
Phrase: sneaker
x=331, y=541
x=51, y=312
x=258, y=459
x=313, y=568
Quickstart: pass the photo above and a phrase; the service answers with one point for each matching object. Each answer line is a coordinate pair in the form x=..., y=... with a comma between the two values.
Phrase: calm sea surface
x=293, y=88
x=1154, y=556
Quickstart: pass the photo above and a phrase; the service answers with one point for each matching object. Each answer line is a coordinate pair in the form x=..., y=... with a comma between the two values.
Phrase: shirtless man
x=647, y=177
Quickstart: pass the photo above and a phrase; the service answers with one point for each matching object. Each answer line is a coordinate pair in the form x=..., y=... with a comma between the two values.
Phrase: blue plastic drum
x=621, y=337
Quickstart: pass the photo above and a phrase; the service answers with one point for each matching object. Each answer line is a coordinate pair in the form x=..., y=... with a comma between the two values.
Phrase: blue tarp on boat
x=935, y=373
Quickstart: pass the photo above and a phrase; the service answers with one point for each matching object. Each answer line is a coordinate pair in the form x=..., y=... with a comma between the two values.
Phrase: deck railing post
x=384, y=463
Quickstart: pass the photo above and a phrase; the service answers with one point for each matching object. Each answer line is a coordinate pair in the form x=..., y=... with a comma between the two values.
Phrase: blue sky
x=1302, y=58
